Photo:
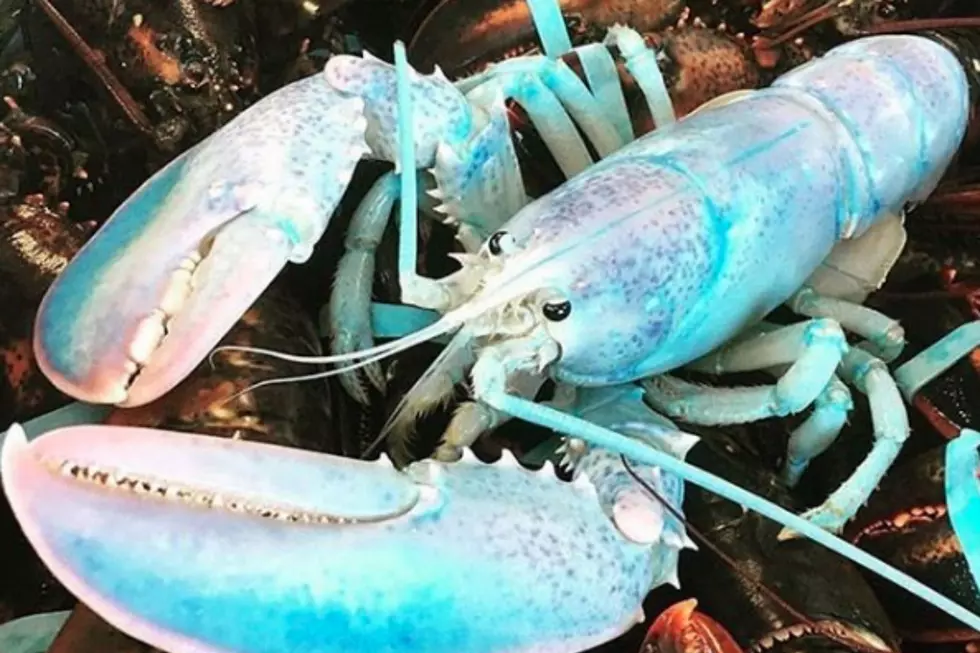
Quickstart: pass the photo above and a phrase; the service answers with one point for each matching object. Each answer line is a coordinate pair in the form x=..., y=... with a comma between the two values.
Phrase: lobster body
x=695, y=215
x=615, y=276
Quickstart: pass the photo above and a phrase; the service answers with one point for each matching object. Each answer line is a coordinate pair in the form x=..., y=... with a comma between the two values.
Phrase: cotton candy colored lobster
x=614, y=278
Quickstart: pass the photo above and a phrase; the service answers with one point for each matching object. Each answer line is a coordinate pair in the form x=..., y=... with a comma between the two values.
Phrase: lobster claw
x=198, y=544
x=178, y=263
x=681, y=628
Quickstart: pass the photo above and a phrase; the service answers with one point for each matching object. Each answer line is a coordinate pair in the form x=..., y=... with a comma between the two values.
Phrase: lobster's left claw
x=179, y=262
x=204, y=545
x=158, y=286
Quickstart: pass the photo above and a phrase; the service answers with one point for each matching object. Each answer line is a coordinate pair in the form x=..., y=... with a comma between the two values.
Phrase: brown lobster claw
x=681, y=628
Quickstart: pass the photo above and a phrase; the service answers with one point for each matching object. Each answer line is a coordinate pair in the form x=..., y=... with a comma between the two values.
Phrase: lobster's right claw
x=199, y=545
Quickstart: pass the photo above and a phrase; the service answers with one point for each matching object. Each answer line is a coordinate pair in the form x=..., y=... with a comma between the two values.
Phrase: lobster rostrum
x=657, y=234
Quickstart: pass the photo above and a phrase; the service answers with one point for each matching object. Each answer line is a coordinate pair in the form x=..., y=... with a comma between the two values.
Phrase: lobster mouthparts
x=196, y=544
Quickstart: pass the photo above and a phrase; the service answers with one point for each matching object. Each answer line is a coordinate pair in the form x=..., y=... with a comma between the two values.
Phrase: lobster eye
x=556, y=311
x=501, y=243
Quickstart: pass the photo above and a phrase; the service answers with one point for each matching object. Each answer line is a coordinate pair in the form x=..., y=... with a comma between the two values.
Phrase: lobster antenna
x=372, y=354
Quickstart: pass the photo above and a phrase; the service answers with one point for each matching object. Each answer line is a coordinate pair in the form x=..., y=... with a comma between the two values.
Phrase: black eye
x=887, y=10
x=500, y=242
x=556, y=311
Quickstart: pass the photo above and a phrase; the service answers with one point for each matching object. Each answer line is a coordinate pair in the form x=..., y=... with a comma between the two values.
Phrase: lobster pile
x=653, y=373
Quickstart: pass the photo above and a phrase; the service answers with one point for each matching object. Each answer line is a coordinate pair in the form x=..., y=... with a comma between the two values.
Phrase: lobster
x=657, y=233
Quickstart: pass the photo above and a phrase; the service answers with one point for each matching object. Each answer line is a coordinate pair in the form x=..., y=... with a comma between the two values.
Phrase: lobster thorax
x=695, y=216
x=671, y=227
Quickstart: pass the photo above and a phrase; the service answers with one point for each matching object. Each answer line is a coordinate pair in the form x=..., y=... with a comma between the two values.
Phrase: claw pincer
x=179, y=540
x=178, y=263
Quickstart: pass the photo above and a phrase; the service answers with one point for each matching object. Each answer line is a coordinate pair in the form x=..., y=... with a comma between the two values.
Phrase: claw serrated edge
x=508, y=459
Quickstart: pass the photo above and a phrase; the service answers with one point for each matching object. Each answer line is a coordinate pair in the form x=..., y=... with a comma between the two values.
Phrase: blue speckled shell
x=672, y=245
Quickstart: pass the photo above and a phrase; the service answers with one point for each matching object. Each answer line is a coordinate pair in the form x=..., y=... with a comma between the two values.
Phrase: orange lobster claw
x=682, y=629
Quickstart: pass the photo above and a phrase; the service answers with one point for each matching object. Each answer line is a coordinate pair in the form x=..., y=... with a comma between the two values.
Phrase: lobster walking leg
x=963, y=495
x=831, y=402
x=350, y=312
x=936, y=359
x=642, y=64
x=818, y=432
x=885, y=335
x=890, y=422
x=603, y=77
x=815, y=349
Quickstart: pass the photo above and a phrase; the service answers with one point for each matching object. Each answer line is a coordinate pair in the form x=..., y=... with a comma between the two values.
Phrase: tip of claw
x=12, y=441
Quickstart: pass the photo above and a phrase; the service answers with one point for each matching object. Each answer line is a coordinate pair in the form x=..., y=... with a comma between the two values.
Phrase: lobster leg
x=349, y=306
x=809, y=380
x=891, y=429
x=32, y=633
x=885, y=336
x=603, y=77
x=550, y=25
x=821, y=428
x=818, y=432
x=642, y=64
x=814, y=348
x=546, y=88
